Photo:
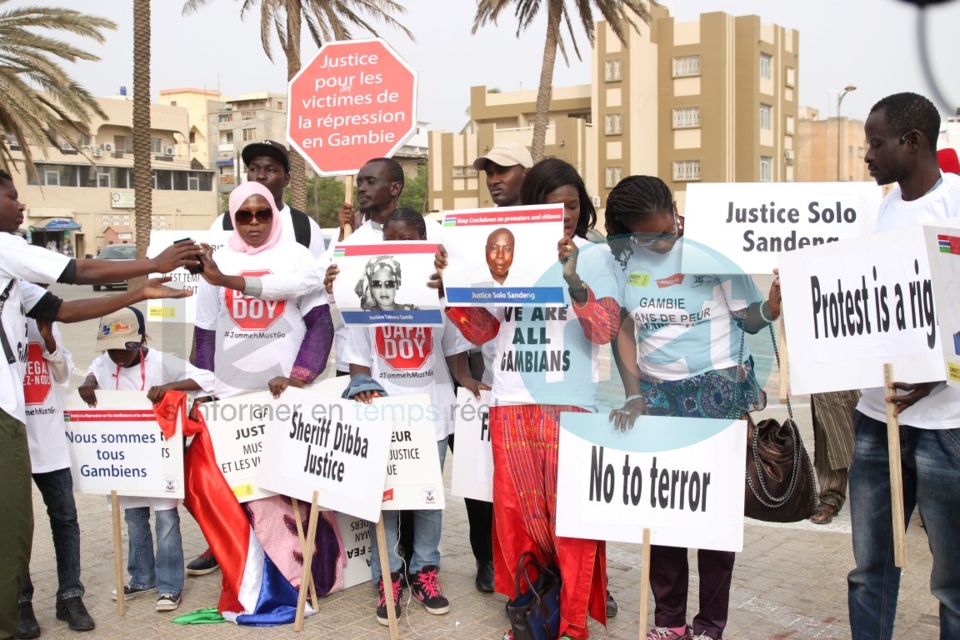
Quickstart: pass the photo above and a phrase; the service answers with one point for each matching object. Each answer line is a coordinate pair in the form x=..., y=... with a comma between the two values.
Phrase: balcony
x=225, y=148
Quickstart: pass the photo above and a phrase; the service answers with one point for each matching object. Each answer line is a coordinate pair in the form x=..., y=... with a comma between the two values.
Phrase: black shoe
x=484, y=580
x=71, y=610
x=612, y=607
x=27, y=625
x=203, y=564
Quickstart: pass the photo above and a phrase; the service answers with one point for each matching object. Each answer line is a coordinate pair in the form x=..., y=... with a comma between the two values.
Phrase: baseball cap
x=505, y=154
x=269, y=148
x=122, y=329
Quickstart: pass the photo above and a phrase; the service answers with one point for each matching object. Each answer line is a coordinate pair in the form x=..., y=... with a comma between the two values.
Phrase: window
x=766, y=66
x=248, y=115
x=611, y=70
x=766, y=168
x=686, y=66
x=766, y=117
x=226, y=137
x=85, y=140
x=193, y=181
x=51, y=177
x=279, y=105
x=103, y=179
x=156, y=145
x=123, y=143
x=226, y=117
x=686, y=170
x=249, y=134
x=612, y=124
x=612, y=176
x=686, y=117
x=193, y=137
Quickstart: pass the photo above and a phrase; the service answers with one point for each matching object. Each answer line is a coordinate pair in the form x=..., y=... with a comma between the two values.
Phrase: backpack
x=301, y=226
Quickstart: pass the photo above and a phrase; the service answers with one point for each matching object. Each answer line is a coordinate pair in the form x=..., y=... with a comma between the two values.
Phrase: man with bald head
x=499, y=249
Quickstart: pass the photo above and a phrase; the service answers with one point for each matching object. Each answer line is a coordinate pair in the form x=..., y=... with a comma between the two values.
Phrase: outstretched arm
x=92, y=271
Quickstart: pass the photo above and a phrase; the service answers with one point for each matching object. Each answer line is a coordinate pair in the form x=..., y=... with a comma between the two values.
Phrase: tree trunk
x=541, y=117
x=142, y=175
x=298, y=168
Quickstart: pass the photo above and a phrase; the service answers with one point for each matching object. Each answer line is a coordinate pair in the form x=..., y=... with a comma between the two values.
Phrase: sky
x=870, y=44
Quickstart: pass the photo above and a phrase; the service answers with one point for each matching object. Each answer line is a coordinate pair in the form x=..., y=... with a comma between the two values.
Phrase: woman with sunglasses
x=377, y=288
x=683, y=354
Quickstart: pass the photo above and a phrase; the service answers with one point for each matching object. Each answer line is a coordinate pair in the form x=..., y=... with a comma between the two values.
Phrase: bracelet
x=763, y=316
x=631, y=398
x=581, y=289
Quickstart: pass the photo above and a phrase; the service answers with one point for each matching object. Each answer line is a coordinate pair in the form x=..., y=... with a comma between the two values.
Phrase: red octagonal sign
x=36, y=382
x=356, y=100
x=252, y=314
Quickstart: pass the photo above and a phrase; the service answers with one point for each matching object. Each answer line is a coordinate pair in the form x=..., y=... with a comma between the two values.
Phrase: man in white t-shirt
x=901, y=132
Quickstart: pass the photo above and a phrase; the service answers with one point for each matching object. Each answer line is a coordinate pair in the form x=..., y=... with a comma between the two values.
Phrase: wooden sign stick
x=896, y=476
x=644, y=583
x=117, y=553
x=348, y=198
x=387, y=579
x=305, y=576
x=307, y=551
x=784, y=360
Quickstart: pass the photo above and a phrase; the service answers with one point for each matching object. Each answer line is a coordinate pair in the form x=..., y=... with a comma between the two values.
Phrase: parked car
x=116, y=252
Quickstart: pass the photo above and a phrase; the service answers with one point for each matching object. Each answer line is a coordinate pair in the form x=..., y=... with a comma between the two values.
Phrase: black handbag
x=780, y=483
x=535, y=615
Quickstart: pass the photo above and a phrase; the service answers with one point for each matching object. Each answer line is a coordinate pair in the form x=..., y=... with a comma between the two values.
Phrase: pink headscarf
x=237, y=197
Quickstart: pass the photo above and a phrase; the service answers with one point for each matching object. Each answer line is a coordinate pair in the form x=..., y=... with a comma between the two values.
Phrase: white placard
x=181, y=310
x=751, y=223
x=358, y=537
x=472, y=475
x=499, y=256
x=943, y=250
x=323, y=444
x=680, y=477
x=854, y=305
x=386, y=284
x=118, y=446
x=237, y=426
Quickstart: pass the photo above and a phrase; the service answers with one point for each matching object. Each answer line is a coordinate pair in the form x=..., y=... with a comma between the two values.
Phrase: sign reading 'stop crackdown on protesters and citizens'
x=355, y=100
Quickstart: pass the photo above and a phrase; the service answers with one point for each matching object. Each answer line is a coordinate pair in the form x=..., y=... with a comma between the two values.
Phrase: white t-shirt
x=155, y=369
x=941, y=409
x=287, y=232
x=19, y=260
x=45, y=372
x=407, y=360
x=256, y=339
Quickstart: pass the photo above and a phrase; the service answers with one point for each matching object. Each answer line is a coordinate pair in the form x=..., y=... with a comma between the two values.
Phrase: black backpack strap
x=301, y=227
x=227, y=222
x=7, y=350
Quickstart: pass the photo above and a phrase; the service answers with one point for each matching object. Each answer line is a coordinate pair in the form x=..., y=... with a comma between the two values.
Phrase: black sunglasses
x=246, y=217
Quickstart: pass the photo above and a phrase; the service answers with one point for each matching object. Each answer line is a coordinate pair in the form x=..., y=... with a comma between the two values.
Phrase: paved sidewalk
x=789, y=581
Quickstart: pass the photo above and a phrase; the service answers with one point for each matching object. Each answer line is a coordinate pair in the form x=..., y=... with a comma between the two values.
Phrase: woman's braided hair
x=634, y=199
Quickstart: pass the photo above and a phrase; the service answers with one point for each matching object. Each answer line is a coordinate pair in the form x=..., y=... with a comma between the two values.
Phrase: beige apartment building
x=249, y=118
x=203, y=137
x=830, y=150
x=713, y=100
x=83, y=195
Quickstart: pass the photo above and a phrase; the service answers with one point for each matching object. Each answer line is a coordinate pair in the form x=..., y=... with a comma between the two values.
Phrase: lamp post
x=847, y=89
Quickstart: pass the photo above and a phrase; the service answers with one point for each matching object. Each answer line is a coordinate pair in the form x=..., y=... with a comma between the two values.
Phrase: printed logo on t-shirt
x=636, y=279
x=676, y=278
x=252, y=314
x=405, y=348
x=36, y=383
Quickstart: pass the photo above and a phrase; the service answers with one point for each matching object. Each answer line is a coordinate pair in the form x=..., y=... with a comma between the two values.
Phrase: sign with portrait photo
x=386, y=284
x=499, y=256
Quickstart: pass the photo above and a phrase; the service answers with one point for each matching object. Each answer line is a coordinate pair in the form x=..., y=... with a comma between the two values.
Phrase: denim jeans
x=931, y=478
x=426, y=535
x=56, y=487
x=166, y=573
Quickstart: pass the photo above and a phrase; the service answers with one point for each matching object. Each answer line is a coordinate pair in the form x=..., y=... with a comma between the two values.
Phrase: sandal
x=824, y=514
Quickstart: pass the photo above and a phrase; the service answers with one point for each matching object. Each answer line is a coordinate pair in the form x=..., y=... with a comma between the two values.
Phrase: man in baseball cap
x=267, y=148
x=506, y=164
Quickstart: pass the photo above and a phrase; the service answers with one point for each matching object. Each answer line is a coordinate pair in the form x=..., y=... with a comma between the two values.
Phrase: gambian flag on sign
x=949, y=244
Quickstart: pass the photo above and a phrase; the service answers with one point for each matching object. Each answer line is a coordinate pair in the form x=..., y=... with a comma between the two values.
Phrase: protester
x=368, y=363
x=696, y=365
x=901, y=132
x=19, y=260
x=832, y=416
x=525, y=416
x=127, y=364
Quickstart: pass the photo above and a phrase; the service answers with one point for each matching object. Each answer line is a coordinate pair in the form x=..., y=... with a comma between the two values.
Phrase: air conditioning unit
x=169, y=150
x=788, y=156
x=97, y=153
x=66, y=146
x=108, y=147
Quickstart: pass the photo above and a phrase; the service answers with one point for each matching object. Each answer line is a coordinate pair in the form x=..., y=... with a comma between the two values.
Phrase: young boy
x=128, y=364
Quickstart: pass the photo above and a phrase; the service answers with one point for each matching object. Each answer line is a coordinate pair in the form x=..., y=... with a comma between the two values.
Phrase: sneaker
x=397, y=597
x=168, y=602
x=425, y=587
x=663, y=633
x=72, y=611
x=203, y=564
x=27, y=625
x=129, y=593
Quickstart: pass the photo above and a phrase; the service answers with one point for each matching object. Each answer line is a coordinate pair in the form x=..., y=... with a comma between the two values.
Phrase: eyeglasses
x=246, y=217
x=650, y=239
x=383, y=284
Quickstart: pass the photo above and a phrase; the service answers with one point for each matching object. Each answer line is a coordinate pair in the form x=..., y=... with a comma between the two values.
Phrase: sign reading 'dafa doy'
x=857, y=304
x=680, y=477
x=355, y=100
x=751, y=223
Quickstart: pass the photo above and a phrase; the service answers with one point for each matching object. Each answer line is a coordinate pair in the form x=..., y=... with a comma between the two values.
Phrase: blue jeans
x=56, y=487
x=166, y=572
x=931, y=481
x=426, y=535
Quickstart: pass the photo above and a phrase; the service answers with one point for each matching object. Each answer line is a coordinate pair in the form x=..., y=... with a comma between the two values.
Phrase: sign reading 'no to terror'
x=355, y=100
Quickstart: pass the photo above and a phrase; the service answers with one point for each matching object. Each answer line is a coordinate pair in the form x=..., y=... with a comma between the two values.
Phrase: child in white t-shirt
x=126, y=365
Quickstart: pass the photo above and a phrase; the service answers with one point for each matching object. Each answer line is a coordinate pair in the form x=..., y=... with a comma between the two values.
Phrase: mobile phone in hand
x=194, y=270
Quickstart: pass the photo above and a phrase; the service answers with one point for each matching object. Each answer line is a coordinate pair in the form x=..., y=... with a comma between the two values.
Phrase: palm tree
x=617, y=13
x=142, y=169
x=40, y=101
x=325, y=20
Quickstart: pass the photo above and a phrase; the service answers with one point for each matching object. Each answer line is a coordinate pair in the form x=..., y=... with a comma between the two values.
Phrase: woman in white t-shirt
x=683, y=353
